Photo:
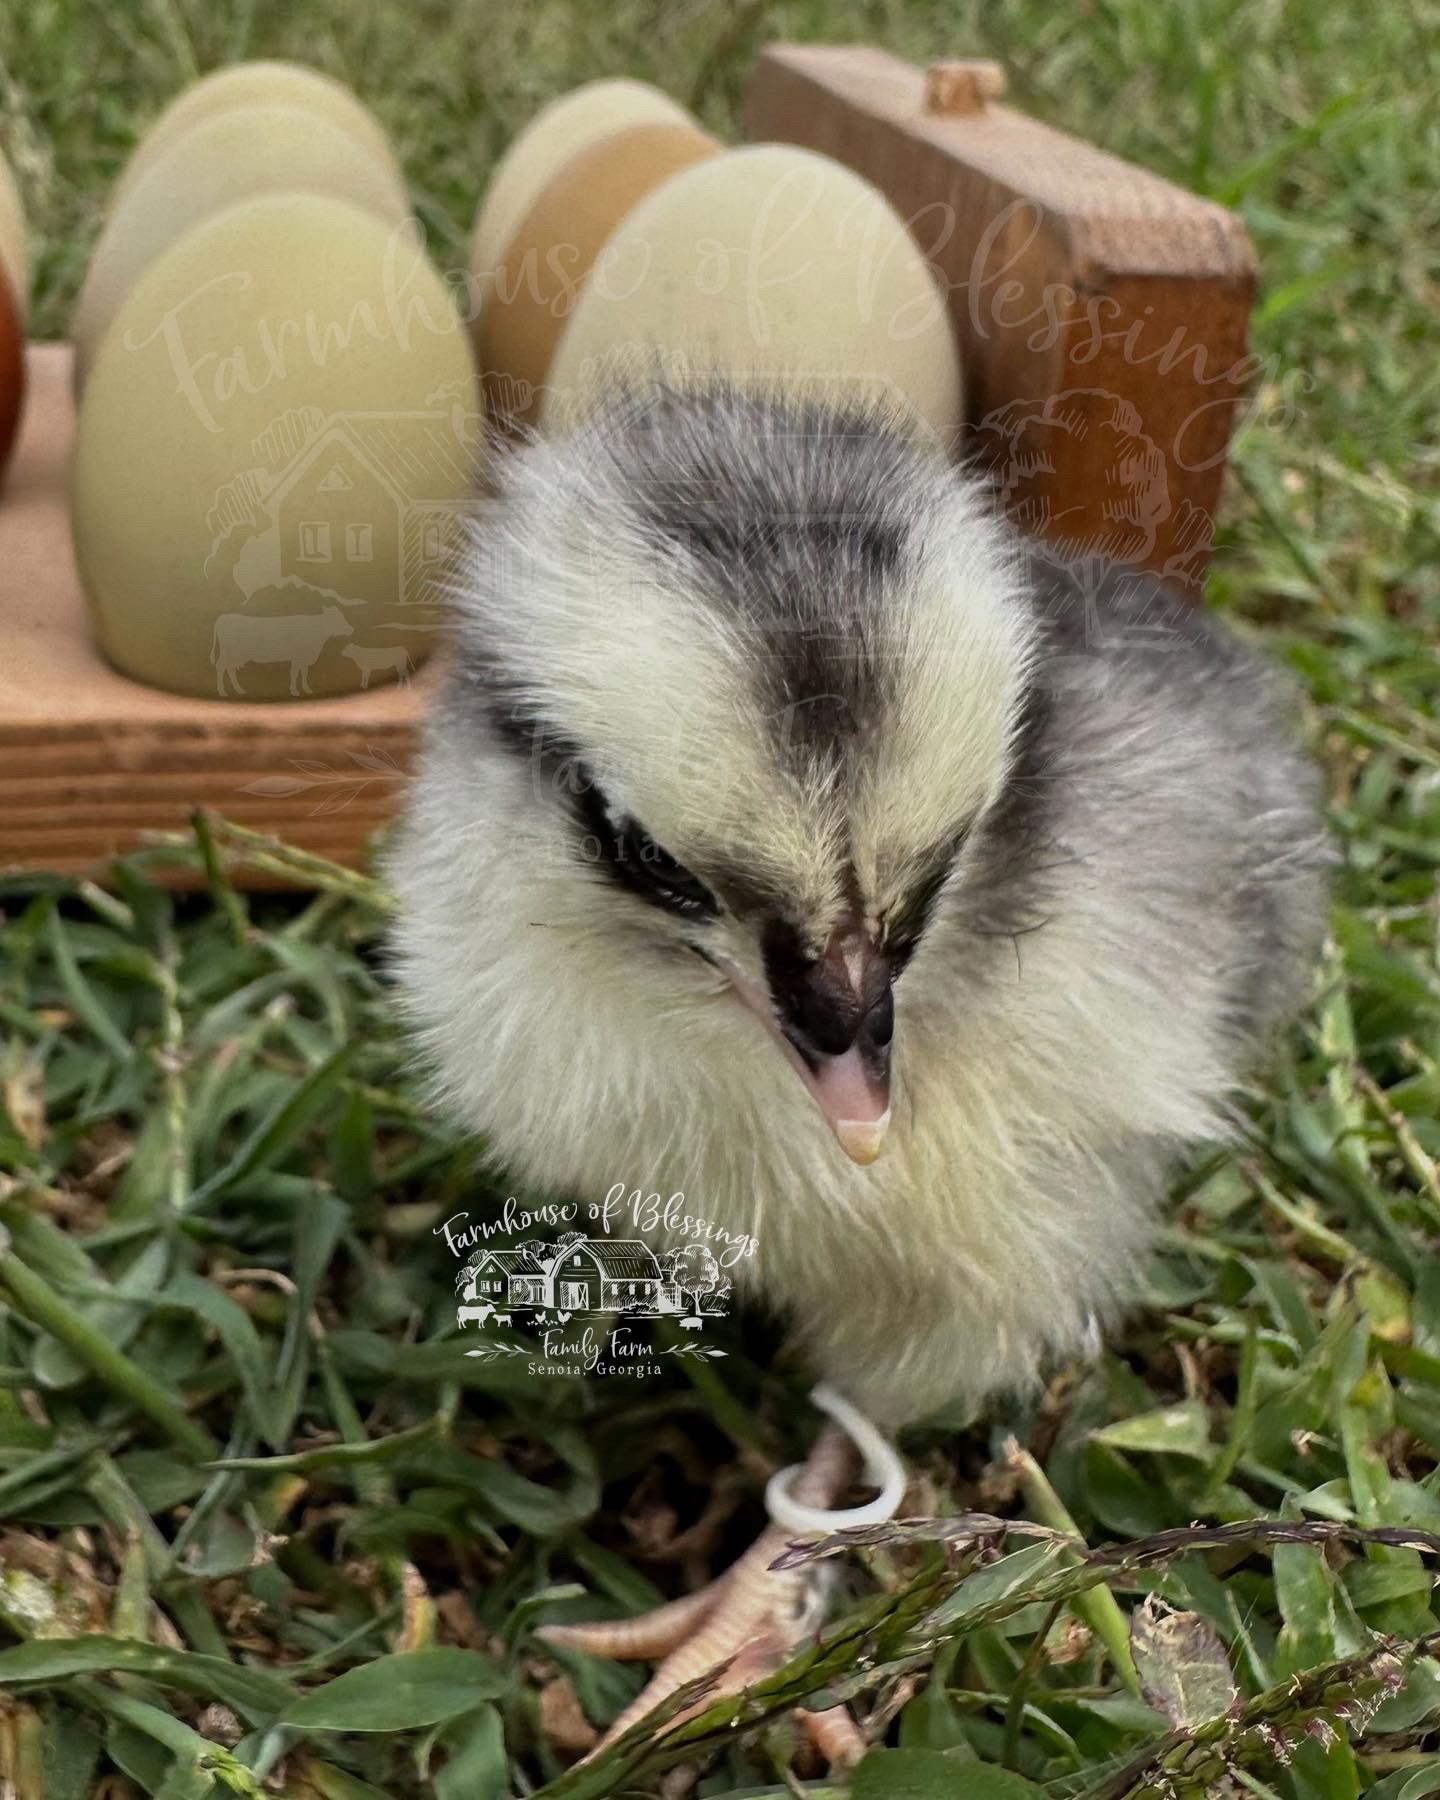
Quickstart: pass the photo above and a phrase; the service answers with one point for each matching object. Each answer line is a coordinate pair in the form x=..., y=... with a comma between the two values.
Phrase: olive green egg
x=14, y=254
x=259, y=84
x=276, y=457
x=235, y=155
x=767, y=263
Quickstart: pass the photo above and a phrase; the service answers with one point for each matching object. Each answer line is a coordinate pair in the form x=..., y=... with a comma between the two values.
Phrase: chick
x=793, y=834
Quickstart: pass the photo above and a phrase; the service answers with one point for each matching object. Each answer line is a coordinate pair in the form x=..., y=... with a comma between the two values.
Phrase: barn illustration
x=332, y=496
x=368, y=487
x=364, y=488
x=576, y=1275
x=590, y=1276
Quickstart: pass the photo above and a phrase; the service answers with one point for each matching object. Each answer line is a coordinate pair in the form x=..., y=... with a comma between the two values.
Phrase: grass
x=261, y=1526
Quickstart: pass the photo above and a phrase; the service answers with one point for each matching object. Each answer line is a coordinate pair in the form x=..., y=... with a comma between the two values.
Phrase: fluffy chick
x=778, y=785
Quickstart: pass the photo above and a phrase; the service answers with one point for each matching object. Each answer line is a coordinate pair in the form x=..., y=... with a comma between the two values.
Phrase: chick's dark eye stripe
x=619, y=847
x=632, y=858
x=905, y=926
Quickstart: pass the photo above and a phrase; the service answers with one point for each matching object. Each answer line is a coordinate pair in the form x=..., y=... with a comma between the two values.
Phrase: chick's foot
x=742, y=1626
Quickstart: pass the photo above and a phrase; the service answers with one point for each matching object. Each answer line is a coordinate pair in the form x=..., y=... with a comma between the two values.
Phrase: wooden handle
x=960, y=90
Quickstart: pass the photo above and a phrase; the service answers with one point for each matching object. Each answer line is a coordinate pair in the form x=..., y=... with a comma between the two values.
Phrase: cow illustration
x=297, y=639
x=473, y=1315
x=372, y=659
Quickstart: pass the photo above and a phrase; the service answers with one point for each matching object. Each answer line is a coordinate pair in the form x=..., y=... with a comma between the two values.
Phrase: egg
x=239, y=153
x=275, y=457
x=260, y=84
x=14, y=253
x=12, y=367
x=553, y=249
x=767, y=262
x=561, y=130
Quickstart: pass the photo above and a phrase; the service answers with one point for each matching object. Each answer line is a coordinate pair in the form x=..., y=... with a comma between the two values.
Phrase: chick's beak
x=836, y=1013
x=855, y=1101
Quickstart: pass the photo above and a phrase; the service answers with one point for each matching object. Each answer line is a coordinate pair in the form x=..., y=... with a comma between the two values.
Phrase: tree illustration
x=694, y=1270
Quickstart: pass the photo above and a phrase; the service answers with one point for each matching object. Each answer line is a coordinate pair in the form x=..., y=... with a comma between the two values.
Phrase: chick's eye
x=656, y=873
x=628, y=854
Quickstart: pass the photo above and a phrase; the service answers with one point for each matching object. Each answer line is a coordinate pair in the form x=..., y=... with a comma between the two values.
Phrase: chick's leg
x=743, y=1625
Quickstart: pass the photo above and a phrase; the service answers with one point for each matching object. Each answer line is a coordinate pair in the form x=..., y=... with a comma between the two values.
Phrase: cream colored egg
x=767, y=262
x=561, y=130
x=259, y=84
x=14, y=251
x=241, y=153
x=276, y=457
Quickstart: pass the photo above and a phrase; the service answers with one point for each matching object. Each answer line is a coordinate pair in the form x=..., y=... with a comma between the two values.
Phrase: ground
x=238, y=1457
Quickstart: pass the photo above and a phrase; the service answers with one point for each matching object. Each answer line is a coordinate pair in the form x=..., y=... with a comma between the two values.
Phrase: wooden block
x=1101, y=311
x=91, y=762
x=1101, y=314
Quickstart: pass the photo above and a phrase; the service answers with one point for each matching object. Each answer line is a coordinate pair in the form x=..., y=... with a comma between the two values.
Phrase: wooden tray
x=1101, y=313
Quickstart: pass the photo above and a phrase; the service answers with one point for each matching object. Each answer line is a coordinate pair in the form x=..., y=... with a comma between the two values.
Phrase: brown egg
x=554, y=247
x=771, y=263
x=260, y=84
x=235, y=155
x=12, y=369
x=276, y=457
x=556, y=133
x=14, y=253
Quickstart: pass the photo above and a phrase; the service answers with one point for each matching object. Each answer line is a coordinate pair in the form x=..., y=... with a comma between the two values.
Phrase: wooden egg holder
x=1101, y=313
